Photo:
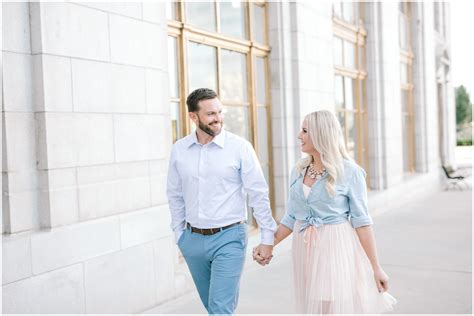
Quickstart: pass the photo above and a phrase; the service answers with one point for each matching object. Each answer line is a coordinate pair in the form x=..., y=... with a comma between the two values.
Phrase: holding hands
x=262, y=254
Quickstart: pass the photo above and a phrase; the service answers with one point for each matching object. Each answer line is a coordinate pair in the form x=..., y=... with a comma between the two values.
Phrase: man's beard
x=207, y=129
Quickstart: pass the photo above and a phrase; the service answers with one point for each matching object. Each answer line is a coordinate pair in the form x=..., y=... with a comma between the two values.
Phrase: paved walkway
x=425, y=247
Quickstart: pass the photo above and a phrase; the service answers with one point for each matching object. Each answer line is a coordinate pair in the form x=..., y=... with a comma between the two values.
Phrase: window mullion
x=250, y=21
x=252, y=95
x=219, y=70
x=218, y=16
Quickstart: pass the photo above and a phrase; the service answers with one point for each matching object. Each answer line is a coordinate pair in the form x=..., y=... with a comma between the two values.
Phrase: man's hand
x=263, y=254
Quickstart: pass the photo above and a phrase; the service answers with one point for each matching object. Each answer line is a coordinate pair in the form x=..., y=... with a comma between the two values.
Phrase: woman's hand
x=381, y=279
x=259, y=257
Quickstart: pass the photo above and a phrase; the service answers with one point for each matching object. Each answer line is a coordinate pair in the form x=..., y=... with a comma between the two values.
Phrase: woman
x=335, y=261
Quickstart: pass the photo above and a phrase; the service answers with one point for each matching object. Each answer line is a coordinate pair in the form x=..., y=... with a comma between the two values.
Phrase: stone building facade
x=93, y=97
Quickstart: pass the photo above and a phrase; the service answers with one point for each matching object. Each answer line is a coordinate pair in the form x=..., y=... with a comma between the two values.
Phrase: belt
x=210, y=231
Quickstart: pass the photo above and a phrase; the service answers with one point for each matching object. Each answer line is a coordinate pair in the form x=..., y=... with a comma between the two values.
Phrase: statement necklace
x=315, y=174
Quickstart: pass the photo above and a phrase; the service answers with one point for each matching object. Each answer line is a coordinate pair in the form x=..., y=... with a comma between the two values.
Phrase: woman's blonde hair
x=325, y=133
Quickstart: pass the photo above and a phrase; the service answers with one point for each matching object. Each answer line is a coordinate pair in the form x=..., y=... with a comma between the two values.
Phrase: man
x=209, y=173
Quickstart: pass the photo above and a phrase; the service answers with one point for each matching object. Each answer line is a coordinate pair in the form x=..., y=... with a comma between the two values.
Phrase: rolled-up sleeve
x=357, y=194
x=289, y=218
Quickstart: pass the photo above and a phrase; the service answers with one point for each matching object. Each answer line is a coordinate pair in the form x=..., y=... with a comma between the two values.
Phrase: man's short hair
x=197, y=95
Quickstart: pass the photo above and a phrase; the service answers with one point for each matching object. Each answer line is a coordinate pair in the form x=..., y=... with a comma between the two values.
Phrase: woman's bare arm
x=281, y=233
x=367, y=240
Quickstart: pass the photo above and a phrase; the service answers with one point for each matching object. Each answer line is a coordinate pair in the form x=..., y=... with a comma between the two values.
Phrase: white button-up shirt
x=207, y=185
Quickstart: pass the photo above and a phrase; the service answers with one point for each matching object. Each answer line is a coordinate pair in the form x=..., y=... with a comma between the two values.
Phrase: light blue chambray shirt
x=349, y=203
x=207, y=185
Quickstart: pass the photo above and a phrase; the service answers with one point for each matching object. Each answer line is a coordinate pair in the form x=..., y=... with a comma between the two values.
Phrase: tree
x=463, y=106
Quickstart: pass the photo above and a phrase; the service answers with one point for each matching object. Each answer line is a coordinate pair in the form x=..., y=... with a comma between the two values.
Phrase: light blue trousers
x=216, y=263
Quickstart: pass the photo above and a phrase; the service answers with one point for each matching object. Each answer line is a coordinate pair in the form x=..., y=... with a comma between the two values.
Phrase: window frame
x=406, y=59
x=355, y=34
x=186, y=32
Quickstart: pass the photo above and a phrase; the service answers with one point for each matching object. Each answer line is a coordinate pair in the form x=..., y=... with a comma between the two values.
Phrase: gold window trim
x=185, y=32
x=355, y=34
x=406, y=57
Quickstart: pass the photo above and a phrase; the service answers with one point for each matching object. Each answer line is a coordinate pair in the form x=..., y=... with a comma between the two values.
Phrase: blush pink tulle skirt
x=333, y=274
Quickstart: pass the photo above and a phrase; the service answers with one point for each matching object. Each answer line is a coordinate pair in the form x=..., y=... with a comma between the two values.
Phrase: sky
x=462, y=44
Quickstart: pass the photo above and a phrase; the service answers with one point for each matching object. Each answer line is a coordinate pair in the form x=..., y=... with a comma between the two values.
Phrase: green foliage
x=463, y=106
x=464, y=142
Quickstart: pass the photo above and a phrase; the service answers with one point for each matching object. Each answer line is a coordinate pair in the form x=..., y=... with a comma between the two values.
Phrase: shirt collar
x=303, y=171
x=192, y=139
x=219, y=140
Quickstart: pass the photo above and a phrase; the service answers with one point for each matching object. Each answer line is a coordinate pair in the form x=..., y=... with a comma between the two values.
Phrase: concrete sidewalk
x=424, y=246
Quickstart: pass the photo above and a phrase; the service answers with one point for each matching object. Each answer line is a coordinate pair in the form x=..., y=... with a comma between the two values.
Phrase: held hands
x=262, y=254
x=381, y=279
